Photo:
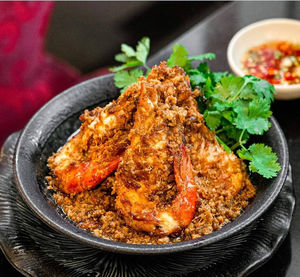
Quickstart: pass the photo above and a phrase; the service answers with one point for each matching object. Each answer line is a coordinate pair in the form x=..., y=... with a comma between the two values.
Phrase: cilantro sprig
x=234, y=107
x=180, y=57
x=129, y=58
x=262, y=159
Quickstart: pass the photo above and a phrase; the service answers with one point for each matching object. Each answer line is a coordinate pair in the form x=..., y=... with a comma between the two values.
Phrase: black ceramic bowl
x=58, y=119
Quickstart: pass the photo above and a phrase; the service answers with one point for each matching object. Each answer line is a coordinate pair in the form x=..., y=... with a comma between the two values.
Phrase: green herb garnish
x=130, y=58
x=234, y=107
x=262, y=159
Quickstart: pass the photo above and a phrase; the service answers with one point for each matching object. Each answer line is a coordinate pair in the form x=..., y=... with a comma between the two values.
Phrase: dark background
x=89, y=34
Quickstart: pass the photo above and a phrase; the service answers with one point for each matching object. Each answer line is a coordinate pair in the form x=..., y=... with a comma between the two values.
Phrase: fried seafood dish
x=93, y=154
x=146, y=169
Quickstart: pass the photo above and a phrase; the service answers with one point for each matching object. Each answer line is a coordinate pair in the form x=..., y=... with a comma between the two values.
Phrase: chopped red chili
x=277, y=62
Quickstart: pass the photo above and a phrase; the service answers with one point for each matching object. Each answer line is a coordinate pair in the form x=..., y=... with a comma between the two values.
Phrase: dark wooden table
x=213, y=35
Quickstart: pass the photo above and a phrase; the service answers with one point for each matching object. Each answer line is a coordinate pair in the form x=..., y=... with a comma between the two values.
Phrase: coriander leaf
x=256, y=126
x=130, y=57
x=229, y=88
x=206, y=56
x=121, y=58
x=228, y=115
x=208, y=88
x=260, y=107
x=179, y=57
x=123, y=79
x=247, y=87
x=221, y=91
x=211, y=78
x=262, y=160
x=142, y=49
x=196, y=77
x=212, y=119
x=252, y=122
x=203, y=67
x=261, y=87
x=265, y=88
x=128, y=50
x=200, y=76
x=248, y=93
x=217, y=76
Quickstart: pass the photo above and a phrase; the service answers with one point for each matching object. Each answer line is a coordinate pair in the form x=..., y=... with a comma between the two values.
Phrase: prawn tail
x=184, y=205
x=87, y=175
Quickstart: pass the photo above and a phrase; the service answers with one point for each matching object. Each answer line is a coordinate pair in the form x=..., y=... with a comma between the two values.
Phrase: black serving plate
x=58, y=119
x=35, y=249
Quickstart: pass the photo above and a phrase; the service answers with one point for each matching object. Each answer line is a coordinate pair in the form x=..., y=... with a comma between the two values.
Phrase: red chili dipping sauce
x=278, y=62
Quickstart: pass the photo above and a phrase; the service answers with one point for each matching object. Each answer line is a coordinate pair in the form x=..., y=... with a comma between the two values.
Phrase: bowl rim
x=230, y=49
x=87, y=238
